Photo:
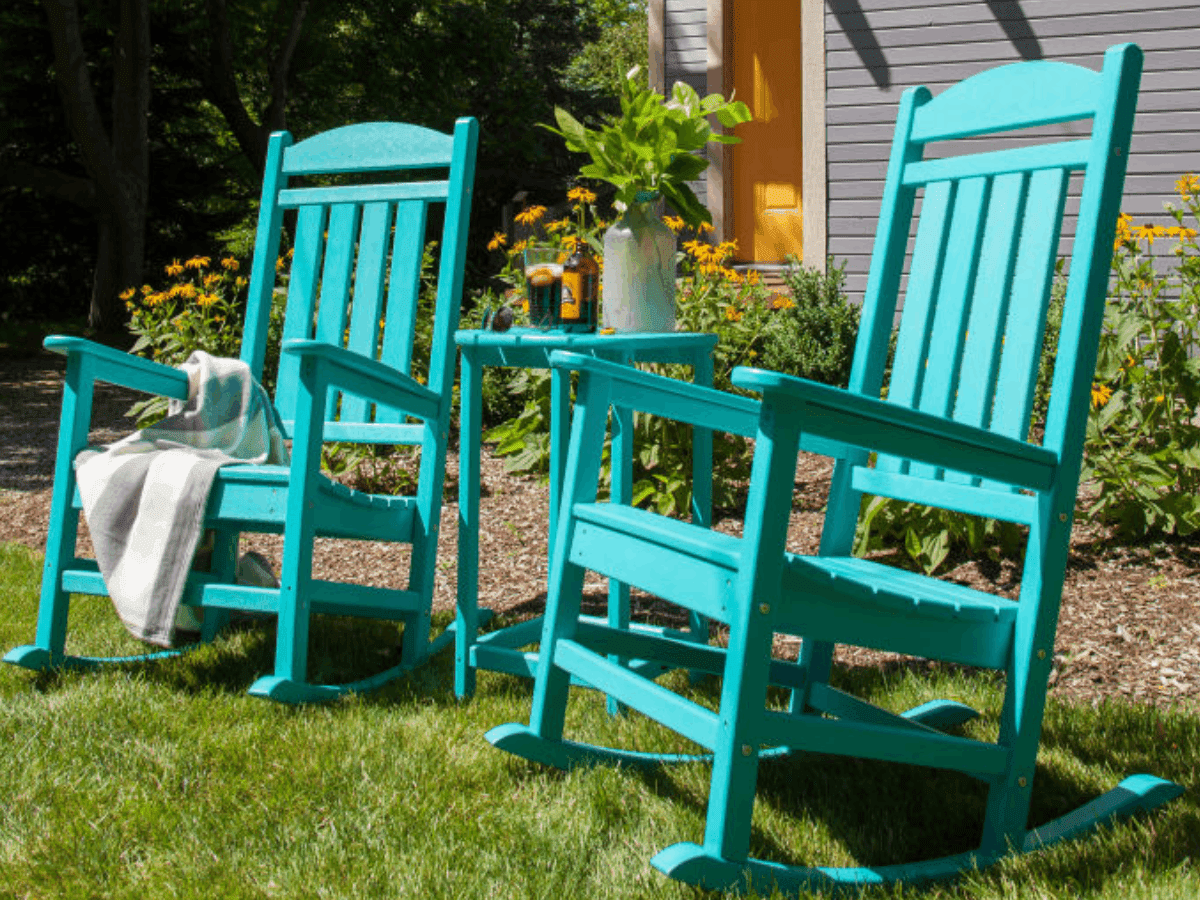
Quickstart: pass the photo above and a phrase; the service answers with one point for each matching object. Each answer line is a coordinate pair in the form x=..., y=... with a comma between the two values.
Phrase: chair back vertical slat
x=302, y=286
x=366, y=308
x=334, y=302
x=984, y=336
x=948, y=329
x=1030, y=301
x=912, y=343
x=404, y=286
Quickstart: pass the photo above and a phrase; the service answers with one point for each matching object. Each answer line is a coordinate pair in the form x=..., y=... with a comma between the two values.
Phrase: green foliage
x=1143, y=437
x=204, y=309
x=814, y=336
x=1141, y=463
x=650, y=148
x=599, y=68
x=748, y=320
x=928, y=534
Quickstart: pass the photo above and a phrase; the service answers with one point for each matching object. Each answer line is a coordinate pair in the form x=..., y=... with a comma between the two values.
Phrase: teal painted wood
x=950, y=426
x=533, y=348
x=355, y=263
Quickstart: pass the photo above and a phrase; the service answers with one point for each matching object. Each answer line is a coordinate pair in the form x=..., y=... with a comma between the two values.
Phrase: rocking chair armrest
x=118, y=367
x=370, y=378
x=670, y=398
x=872, y=424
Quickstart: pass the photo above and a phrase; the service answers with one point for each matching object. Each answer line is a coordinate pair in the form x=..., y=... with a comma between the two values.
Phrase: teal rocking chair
x=362, y=197
x=951, y=427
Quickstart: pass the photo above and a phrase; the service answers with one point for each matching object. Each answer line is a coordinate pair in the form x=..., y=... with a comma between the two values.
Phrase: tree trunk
x=117, y=164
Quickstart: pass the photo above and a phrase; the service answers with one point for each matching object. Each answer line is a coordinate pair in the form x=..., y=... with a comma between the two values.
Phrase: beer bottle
x=580, y=289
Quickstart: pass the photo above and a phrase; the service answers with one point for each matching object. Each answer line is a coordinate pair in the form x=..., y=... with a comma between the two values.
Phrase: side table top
x=584, y=342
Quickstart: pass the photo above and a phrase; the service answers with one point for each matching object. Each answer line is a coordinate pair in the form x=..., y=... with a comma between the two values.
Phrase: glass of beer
x=543, y=285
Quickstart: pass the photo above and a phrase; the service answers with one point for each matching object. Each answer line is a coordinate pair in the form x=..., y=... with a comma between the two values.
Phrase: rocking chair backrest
x=982, y=265
x=354, y=278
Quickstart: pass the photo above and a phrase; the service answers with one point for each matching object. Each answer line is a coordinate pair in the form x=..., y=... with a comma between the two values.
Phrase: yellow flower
x=230, y=263
x=198, y=262
x=188, y=291
x=280, y=264
x=147, y=290
x=240, y=282
x=211, y=278
x=725, y=249
x=675, y=223
x=498, y=240
x=1160, y=398
x=1188, y=185
x=581, y=195
x=206, y=300
x=558, y=225
x=127, y=294
x=732, y=314
x=608, y=331
x=1101, y=394
x=703, y=227
x=531, y=215
x=752, y=277
x=175, y=268
x=698, y=250
x=518, y=247
x=782, y=301
x=731, y=275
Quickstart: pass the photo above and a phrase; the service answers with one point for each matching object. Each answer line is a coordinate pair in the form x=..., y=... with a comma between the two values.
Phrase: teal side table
x=531, y=348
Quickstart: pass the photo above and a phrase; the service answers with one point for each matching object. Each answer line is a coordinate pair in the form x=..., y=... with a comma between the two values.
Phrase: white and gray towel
x=144, y=496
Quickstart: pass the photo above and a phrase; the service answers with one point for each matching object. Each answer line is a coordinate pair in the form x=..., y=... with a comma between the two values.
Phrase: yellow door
x=765, y=46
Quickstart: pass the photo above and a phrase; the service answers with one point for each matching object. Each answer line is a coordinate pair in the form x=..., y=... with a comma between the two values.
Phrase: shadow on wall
x=853, y=23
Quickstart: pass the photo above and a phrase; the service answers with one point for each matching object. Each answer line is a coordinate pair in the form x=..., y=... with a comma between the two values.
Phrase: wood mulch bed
x=1130, y=622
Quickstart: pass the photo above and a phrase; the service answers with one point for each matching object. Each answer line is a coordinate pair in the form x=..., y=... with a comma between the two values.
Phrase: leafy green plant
x=650, y=149
x=204, y=309
x=1143, y=437
x=813, y=336
x=711, y=298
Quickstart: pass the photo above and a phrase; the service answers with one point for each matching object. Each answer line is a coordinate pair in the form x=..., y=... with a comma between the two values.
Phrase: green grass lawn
x=166, y=780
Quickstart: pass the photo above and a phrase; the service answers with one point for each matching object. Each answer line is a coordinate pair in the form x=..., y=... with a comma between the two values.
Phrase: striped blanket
x=144, y=496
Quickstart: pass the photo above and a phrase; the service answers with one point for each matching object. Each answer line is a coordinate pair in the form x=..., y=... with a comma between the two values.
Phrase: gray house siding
x=877, y=48
x=685, y=51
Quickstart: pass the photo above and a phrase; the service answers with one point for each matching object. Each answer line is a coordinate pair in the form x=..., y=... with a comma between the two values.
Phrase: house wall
x=679, y=51
x=874, y=49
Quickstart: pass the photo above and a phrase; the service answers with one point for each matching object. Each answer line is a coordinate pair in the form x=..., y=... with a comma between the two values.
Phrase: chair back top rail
x=355, y=277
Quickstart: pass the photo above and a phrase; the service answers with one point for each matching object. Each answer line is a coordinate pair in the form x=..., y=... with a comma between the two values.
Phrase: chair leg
x=49, y=645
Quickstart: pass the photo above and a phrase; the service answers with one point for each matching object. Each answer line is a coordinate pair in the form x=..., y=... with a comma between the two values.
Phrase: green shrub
x=1143, y=440
x=813, y=337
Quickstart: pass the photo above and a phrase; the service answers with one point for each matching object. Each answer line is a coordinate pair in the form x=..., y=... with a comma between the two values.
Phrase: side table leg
x=466, y=614
x=621, y=461
x=702, y=477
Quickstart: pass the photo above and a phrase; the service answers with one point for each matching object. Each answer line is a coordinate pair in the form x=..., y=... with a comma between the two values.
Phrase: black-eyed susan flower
x=1101, y=394
x=498, y=241
x=531, y=215
x=174, y=268
x=581, y=195
x=230, y=264
x=198, y=262
x=1188, y=185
